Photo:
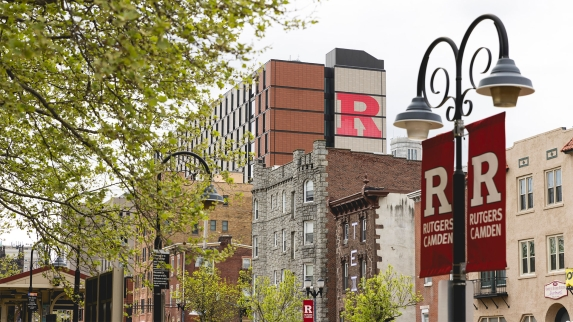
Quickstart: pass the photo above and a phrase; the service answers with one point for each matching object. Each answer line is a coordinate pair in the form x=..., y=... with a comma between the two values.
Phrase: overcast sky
x=540, y=41
x=540, y=37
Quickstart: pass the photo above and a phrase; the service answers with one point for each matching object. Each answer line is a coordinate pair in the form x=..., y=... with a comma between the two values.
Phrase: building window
x=172, y=264
x=528, y=318
x=527, y=255
x=428, y=281
x=345, y=229
x=363, y=230
x=525, y=193
x=213, y=225
x=226, y=200
x=363, y=269
x=493, y=319
x=273, y=202
x=292, y=206
x=225, y=225
x=554, y=194
x=284, y=202
x=142, y=305
x=255, y=246
x=292, y=245
x=284, y=240
x=283, y=271
x=344, y=276
x=195, y=230
x=256, y=209
x=308, y=191
x=412, y=154
x=308, y=232
x=425, y=316
x=309, y=272
x=246, y=263
x=276, y=239
x=556, y=253
x=275, y=278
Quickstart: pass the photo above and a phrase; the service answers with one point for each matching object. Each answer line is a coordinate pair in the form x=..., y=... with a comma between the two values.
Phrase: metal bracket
x=475, y=307
x=482, y=302
x=497, y=307
x=570, y=289
x=459, y=128
x=505, y=302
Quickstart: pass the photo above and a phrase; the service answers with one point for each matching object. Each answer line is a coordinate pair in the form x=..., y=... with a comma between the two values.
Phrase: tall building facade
x=290, y=104
x=539, y=234
x=294, y=228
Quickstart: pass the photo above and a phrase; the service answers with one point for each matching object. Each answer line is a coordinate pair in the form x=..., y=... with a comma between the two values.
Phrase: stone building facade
x=292, y=225
x=374, y=229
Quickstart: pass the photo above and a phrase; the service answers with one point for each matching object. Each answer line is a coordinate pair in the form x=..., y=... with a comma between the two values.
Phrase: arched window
x=308, y=191
x=284, y=202
x=256, y=209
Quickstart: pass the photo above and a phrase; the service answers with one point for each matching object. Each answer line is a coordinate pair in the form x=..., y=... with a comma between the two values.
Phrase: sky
x=540, y=37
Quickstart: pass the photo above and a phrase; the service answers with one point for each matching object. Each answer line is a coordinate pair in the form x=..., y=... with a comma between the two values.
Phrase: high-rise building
x=290, y=104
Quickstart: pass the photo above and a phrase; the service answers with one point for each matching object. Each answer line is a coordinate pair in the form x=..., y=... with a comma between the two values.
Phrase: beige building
x=539, y=232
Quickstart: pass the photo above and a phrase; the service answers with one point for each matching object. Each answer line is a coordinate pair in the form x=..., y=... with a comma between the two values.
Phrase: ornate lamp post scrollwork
x=505, y=84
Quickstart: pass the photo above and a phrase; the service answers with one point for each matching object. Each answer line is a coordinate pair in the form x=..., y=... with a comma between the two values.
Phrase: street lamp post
x=314, y=293
x=504, y=84
x=210, y=196
x=76, y=308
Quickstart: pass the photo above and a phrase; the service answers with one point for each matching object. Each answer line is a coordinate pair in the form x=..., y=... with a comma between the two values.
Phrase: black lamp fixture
x=313, y=292
x=505, y=84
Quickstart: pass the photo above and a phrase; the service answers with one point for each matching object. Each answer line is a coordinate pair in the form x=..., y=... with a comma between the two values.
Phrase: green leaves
x=90, y=90
x=380, y=298
x=272, y=303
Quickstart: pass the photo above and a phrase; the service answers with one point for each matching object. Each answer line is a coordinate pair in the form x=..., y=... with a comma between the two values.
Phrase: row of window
x=349, y=282
x=308, y=195
x=346, y=231
x=308, y=239
x=555, y=255
x=553, y=189
x=308, y=273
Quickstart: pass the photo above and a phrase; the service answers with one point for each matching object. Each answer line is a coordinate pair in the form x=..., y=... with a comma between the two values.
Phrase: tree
x=9, y=265
x=92, y=90
x=380, y=298
x=273, y=303
x=210, y=296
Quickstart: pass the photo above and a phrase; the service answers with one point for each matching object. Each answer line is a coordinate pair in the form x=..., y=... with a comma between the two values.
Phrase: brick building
x=292, y=227
x=374, y=229
x=184, y=259
x=233, y=218
x=290, y=104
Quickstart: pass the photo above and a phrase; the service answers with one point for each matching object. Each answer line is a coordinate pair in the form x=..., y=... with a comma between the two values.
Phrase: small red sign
x=307, y=311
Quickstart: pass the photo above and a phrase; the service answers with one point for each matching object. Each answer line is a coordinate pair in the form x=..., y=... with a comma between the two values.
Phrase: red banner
x=485, y=216
x=307, y=311
x=437, y=220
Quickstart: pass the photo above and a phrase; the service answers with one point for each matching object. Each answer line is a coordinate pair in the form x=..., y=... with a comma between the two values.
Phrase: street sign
x=308, y=311
x=32, y=304
x=160, y=273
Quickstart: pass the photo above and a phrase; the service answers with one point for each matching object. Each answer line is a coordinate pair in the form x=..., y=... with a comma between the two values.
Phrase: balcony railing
x=490, y=287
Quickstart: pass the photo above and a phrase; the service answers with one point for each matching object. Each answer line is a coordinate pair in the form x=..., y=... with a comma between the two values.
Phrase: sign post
x=32, y=304
x=308, y=311
x=160, y=272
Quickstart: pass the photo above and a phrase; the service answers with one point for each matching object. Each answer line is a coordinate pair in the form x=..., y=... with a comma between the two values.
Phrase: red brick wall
x=346, y=172
x=296, y=74
x=299, y=99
